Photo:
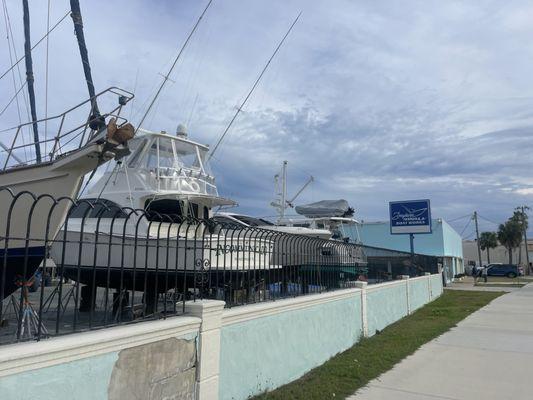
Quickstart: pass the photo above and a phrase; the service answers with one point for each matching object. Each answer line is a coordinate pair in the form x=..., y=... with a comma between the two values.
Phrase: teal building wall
x=443, y=242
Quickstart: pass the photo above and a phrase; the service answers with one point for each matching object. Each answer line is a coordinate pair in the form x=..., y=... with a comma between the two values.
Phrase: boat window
x=137, y=152
x=227, y=223
x=164, y=210
x=251, y=221
x=151, y=161
x=188, y=155
x=167, y=157
x=102, y=209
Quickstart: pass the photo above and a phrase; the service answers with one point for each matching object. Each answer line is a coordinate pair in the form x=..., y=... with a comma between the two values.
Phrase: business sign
x=412, y=216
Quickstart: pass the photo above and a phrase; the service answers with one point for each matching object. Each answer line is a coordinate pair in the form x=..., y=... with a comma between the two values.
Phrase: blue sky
x=379, y=101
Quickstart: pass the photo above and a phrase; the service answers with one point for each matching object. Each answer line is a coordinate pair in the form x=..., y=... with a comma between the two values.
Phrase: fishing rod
x=166, y=77
x=239, y=109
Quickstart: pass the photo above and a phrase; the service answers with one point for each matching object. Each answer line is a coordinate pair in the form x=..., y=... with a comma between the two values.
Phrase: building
x=497, y=255
x=444, y=242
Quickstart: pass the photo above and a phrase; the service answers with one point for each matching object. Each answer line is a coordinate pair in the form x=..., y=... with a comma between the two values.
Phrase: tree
x=487, y=241
x=510, y=236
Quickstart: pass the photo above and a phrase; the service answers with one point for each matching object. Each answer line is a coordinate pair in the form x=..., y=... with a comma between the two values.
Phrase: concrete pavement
x=489, y=355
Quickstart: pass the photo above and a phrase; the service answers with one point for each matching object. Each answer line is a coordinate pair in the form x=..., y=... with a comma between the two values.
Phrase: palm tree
x=487, y=241
x=510, y=236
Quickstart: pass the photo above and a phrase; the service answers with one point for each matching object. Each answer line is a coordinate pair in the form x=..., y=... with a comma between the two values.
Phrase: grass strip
x=346, y=372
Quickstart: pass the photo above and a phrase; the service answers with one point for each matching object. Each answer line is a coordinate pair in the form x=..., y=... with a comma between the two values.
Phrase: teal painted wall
x=267, y=352
x=85, y=379
x=418, y=293
x=453, y=243
x=385, y=306
x=444, y=241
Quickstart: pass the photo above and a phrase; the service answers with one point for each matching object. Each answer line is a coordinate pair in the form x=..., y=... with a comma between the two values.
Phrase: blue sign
x=412, y=216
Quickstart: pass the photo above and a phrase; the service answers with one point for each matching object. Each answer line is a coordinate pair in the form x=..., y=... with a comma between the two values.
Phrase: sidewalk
x=489, y=355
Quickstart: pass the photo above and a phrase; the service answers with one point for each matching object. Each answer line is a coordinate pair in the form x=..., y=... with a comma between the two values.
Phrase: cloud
x=378, y=101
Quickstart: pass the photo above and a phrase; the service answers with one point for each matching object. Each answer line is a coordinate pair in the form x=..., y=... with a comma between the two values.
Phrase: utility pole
x=477, y=240
x=525, y=238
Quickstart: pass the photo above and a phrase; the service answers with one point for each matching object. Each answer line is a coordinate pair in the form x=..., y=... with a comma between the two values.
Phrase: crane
x=282, y=203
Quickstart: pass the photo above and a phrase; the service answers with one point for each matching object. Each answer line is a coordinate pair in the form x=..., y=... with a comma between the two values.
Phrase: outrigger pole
x=239, y=109
x=29, y=79
x=78, y=28
x=166, y=77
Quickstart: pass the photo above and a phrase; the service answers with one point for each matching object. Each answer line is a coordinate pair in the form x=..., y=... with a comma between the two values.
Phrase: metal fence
x=387, y=264
x=105, y=265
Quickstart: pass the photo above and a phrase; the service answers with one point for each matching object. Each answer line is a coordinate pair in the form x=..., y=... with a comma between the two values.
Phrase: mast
x=29, y=79
x=283, y=190
x=78, y=28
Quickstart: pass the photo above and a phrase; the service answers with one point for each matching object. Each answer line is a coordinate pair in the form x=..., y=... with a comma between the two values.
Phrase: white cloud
x=378, y=100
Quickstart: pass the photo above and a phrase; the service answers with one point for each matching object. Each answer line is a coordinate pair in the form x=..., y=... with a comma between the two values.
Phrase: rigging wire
x=36, y=44
x=10, y=39
x=166, y=77
x=239, y=109
x=15, y=97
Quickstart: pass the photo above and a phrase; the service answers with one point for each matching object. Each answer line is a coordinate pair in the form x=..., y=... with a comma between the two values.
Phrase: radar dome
x=181, y=130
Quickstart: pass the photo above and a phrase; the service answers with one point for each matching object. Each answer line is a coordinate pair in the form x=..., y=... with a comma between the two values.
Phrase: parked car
x=508, y=270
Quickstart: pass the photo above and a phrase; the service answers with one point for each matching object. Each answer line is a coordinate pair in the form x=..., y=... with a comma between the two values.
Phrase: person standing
x=484, y=274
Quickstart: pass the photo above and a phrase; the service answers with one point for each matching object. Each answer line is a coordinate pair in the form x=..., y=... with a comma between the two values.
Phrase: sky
x=378, y=101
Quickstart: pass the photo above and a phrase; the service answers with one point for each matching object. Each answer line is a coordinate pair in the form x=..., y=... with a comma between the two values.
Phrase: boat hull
x=35, y=202
x=129, y=262
x=17, y=265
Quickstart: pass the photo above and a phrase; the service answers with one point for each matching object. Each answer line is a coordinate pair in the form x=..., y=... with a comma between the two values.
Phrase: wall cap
x=249, y=312
x=21, y=357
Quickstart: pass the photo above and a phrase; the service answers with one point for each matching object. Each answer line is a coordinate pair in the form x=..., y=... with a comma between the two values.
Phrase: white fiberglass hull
x=127, y=261
x=30, y=220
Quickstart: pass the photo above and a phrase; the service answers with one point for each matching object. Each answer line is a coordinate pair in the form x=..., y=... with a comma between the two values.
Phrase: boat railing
x=170, y=179
x=62, y=133
x=124, y=265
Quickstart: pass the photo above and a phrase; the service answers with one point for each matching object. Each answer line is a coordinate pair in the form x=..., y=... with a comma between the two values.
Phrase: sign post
x=410, y=217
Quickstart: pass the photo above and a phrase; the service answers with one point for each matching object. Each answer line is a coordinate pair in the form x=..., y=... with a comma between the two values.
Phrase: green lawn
x=500, y=284
x=354, y=368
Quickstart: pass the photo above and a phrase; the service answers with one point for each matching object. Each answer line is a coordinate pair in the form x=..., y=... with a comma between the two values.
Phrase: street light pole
x=525, y=239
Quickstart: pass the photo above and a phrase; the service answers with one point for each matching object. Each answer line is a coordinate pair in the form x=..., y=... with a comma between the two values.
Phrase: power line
x=466, y=226
x=458, y=218
x=488, y=220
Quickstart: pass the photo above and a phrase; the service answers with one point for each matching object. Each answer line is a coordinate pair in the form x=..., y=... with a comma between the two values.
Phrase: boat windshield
x=169, y=153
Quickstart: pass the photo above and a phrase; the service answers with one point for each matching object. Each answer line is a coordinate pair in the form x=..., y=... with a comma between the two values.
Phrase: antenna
x=166, y=77
x=239, y=109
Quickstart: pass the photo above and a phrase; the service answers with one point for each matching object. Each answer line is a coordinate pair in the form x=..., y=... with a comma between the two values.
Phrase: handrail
x=124, y=97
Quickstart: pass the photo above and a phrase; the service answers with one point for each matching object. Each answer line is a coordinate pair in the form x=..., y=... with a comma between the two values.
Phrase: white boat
x=245, y=221
x=39, y=179
x=144, y=220
x=30, y=225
